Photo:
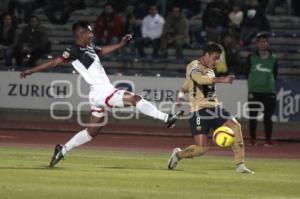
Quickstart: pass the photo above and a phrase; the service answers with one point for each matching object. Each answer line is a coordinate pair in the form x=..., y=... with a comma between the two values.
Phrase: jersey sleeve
x=69, y=54
x=192, y=68
x=185, y=86
x=196, y=73
x=96, y=47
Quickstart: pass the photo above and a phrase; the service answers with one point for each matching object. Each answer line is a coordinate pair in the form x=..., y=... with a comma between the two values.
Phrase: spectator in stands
x=235, y=19
x=255, y=20
x=119, y=5
x=133, y=28
x=221, y=69
x=196, y=32
x=140, y=9
x=215, y=19
x=271, y=5
x=152, y=27
x=59, y=11
x=108, y=26
x=264, y=3
x=231, y=54
x=175, y=32
x=7, y=36
x=262, y=74
x=190, y=8
x=296, y=6
x=4, y=6
x=24, y=7
x=32, y=43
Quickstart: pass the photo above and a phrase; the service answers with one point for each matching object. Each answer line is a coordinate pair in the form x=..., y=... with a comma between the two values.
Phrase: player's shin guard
x=148, y=109
x=238, y=145
x=192, y=151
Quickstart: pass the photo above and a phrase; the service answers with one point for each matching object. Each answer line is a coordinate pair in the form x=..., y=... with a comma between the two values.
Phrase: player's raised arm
x=208, y=80
x=42, y=67
x=181, y=94
x=225, y=80
x=111, y=48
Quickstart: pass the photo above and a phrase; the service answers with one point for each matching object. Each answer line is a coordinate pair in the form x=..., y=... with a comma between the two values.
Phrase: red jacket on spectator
x=108, y=26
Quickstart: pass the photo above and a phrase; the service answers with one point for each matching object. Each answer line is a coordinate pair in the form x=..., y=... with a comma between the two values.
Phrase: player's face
x=211, y=60
x=87, y=35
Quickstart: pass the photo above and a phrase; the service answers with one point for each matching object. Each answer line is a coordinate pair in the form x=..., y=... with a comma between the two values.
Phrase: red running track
x=138, y=143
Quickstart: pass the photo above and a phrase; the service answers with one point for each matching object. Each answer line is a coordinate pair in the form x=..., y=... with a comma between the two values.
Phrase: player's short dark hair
x=212, y=47
x=80, y=24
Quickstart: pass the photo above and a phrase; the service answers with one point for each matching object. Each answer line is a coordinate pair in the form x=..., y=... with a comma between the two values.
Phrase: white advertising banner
x=58, y=91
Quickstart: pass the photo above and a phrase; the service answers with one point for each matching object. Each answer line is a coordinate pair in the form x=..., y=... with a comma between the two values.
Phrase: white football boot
x=241, y=168
x=173, y=159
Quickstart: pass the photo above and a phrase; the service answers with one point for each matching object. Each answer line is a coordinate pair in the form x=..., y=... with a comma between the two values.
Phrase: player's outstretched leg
x=147, y=108
x=79, y=139
x=60, y=151
x=57, y=155
x=173, y=118
x=241, y=168
x=188, y=152
x=238, y=147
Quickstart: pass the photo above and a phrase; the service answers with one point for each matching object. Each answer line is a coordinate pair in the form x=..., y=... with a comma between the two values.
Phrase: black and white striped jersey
x=86, y=62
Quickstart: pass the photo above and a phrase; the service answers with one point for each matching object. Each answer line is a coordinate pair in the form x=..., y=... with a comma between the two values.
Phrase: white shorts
x=103, y=98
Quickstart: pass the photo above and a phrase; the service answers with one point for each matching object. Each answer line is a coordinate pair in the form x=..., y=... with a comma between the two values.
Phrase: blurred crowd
x=159, y=24
x=22, y=36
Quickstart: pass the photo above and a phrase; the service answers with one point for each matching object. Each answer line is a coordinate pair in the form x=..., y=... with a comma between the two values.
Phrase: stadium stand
x=285, y=40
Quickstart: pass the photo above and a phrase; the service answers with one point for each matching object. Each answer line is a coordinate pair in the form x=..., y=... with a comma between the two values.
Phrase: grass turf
x=111, y=174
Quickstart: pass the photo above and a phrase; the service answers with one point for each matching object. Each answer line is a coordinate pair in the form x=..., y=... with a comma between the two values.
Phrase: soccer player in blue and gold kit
x=206, y=111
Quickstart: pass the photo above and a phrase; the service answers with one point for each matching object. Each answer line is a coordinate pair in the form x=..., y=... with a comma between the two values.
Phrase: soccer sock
x=80, y=138
x=192, y=151
x=238, y=145
x=148, y=109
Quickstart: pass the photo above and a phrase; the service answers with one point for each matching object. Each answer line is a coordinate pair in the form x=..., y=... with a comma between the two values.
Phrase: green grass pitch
x=106, y=174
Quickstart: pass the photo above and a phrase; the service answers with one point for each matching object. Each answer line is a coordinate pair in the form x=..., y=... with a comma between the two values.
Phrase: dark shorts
x=206, y=119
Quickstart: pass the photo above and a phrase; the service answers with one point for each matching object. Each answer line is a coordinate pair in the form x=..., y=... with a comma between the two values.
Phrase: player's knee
x=234, y=125
x=94, y=131
x=238, y=140
x=134, y=100
x=131, y=99
x=238, y=126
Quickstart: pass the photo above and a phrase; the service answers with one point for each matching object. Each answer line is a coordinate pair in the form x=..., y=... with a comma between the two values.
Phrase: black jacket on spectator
x=34, y=38
x=59, y=11
x=259, y=20
x=216, y=14
x=7, y=38
x=32, y=44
